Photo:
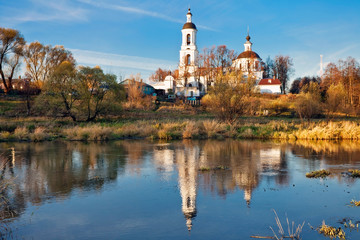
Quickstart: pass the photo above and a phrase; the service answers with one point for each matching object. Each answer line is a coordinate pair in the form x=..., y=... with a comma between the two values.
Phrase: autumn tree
x=282, y=69
x=302, y=83
x=214, y=61
x=335, y=98
x=160, y=75
x=11, y=49
x=308, y=102
x=135, y=95
x=229, y=97
x=346, y=72
x=41, y=61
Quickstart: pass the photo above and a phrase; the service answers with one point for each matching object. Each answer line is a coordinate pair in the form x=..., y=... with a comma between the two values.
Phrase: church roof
x=269, y=81
x=189, y=25
x=248, y=54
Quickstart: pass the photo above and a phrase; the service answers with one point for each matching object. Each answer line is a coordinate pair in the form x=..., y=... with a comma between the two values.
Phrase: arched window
x=187, y=60
x=257, y=65
x=188, y=40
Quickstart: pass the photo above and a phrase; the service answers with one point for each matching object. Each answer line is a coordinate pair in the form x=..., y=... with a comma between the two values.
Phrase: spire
x=248, y=44
x=248, y=36
x=188, y=16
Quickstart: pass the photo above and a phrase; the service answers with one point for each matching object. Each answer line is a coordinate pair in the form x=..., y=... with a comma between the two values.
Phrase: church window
x=188, y=40
x=188, y=202
x=187, y=60
x=256, y=65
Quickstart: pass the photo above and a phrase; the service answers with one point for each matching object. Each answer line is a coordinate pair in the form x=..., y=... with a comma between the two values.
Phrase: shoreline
x=164, y=129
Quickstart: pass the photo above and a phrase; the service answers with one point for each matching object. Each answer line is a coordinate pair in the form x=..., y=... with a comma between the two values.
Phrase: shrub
x=21, y=133
x=39, y=135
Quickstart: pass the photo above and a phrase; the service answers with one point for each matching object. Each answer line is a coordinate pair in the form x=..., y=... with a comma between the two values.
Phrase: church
x=191, y=85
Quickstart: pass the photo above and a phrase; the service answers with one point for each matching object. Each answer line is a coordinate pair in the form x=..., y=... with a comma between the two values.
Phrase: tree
x=60, y=93
x=346, y=72
x=308, y=102
x=42, y=60
x=282, y=69
x=11, y=47
x=228, y=98
x=98, y=92
x=303, y=83
x=135, y=96
x=80, y=94
x=160, y=75
x=295, y=86
x=268, y=68
x=336, y=95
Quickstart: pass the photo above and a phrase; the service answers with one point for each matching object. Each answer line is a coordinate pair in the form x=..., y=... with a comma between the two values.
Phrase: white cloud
x=123, y=64
x=42, y=10
x=138, y=11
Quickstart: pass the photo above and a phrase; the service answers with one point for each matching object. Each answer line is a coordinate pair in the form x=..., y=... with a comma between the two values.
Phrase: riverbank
x=193, y=127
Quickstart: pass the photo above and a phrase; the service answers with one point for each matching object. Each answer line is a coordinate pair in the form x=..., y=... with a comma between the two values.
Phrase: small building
x=168, y=85
x=270, y=85
x=145, y=88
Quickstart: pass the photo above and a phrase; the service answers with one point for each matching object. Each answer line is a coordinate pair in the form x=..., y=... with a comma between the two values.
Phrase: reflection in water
x=44, y=171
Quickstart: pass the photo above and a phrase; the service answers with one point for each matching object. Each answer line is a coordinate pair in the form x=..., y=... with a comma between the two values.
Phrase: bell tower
x=188, y=52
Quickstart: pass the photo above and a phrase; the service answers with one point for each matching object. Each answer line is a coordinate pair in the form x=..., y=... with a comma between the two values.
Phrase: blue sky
x=131, y=36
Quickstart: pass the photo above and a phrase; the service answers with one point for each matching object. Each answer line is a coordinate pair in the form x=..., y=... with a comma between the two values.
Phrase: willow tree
x=99, y=93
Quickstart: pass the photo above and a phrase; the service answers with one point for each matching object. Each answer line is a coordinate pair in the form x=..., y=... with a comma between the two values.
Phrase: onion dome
x=248, y=54
x=189, y=25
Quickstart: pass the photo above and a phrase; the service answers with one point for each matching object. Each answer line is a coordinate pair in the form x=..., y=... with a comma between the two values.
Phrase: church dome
x=248, y=54
x=189, y=25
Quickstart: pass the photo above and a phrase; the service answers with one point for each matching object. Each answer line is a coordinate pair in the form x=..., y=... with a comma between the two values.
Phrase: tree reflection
x=42, y=171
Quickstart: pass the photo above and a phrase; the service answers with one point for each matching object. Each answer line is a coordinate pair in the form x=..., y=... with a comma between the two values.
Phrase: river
x=175, y=190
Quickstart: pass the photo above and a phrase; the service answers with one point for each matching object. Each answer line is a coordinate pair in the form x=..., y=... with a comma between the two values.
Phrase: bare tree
x=11, y=47
x=282, y=69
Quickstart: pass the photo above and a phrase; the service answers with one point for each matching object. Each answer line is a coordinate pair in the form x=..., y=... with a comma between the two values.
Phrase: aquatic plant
x=331, y=232
x=355, y=203
x=293, y=233
x=318, y=174
x=355, y=173
x=350, y=225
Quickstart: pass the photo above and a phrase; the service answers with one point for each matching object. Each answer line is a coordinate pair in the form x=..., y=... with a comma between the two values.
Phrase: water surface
x=178, y=190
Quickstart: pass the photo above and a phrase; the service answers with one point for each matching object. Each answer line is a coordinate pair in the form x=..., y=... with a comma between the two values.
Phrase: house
x=168, y=85
x=270, y=85
x=145, y=88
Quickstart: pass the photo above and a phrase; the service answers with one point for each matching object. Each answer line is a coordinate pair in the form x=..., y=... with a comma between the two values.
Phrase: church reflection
x=44, y=171
x=243, y=164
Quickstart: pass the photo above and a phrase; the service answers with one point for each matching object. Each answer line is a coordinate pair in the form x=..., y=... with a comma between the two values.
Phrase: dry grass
x=331, y=232
x=355, y=203
x=39, y=134
x=318, y=174
x=21, y=133
x=213, y=129
x=355, y=173
x=293, y=232
x=89, y=133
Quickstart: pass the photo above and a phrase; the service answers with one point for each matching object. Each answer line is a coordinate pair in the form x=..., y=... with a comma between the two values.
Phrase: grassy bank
x=42, y=129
